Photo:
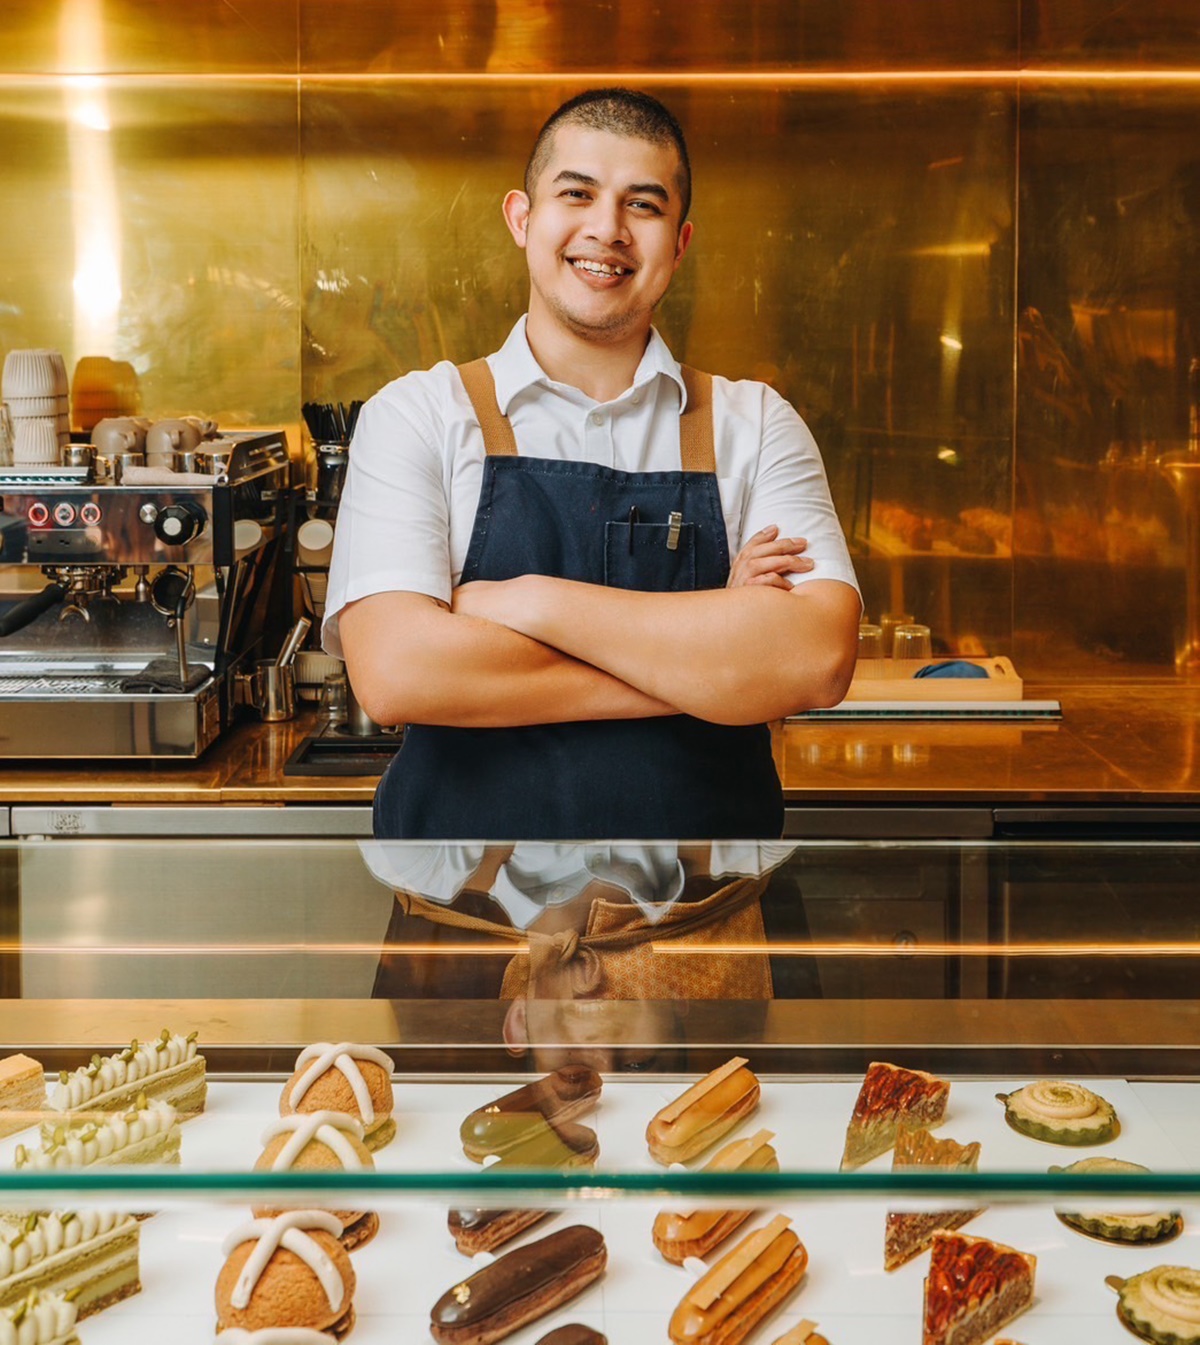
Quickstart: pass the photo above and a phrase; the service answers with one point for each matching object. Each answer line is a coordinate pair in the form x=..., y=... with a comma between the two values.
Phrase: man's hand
x=767, y=559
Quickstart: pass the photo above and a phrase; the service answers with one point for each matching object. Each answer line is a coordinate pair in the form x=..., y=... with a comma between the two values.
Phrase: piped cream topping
x=139, y=1060
x=39, y=1319
x=44, y=1235
x=322, y=1056
x=100, y=1139
x=287, y=1230
x=330, y=1128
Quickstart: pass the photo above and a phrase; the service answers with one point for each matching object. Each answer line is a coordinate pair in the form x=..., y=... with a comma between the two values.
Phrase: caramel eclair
x=724, y=1306
x=698, y=1118
x=518, y=1288
x=678, y=1236
x=562, y=1095
x=573, y=1335
x=806, y=1333
x=562, y=1146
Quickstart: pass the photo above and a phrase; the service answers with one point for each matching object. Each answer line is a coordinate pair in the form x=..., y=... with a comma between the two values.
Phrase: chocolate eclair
x=562, y=1146
x=565, y=1093
x=573, y=1335
x=519, y=1287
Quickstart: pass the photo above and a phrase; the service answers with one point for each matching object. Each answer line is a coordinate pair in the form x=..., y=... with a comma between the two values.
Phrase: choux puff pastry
x=345, y=1077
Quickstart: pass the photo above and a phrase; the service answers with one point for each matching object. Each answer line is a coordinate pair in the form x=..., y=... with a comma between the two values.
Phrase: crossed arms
x=539, y=650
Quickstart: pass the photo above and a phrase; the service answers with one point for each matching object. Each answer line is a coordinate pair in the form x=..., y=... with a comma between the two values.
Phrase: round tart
x=1161, y=1305
x=1060, y=1113
x=1130, y=1229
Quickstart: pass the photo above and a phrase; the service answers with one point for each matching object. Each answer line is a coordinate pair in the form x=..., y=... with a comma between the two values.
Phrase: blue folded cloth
x=955, y=668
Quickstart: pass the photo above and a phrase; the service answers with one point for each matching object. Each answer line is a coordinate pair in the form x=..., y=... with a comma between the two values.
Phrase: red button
x=38, y=514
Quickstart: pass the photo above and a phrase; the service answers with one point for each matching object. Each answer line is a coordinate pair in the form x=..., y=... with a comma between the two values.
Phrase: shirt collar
x=515, y=369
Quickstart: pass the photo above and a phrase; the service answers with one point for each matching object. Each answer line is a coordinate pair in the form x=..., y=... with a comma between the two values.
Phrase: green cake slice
x=90, y=1256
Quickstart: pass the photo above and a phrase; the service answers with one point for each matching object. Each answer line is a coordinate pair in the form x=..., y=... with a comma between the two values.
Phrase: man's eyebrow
x=570, y=175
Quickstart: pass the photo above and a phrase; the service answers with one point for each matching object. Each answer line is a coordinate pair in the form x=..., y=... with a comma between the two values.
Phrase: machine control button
x=148, y=513
x=89, y=514
x=178, y=523
x=38, y=514
x=64, y=514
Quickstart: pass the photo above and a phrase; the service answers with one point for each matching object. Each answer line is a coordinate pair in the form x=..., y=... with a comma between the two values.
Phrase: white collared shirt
x=416, y=466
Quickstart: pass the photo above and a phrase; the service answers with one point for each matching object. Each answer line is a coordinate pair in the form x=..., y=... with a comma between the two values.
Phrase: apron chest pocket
x=637, y=556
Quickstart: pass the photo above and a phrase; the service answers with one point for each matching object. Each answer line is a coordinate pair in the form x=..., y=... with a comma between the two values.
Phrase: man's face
x=602, y=236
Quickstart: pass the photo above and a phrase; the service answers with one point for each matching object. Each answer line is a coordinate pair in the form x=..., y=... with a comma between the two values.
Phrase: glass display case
x=876, y=1038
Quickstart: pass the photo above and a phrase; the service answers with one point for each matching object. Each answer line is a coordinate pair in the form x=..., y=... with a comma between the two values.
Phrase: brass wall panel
x=841, y=240
x=1090, y=34
x=655, y=37
x=149, y=37
x=1109, y=298
x=202, y=241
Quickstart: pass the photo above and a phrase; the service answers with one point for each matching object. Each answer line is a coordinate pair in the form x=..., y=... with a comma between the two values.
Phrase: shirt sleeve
x=790, y=489
x=393, y=523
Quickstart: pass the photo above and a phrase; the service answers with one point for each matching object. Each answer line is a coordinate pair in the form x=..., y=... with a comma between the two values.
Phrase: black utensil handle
x=20, y=614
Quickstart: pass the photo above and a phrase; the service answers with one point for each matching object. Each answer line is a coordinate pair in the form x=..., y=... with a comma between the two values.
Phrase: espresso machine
x=156, y=588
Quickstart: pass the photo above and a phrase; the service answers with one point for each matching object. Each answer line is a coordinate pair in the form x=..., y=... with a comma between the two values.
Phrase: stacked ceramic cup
x=36, y=393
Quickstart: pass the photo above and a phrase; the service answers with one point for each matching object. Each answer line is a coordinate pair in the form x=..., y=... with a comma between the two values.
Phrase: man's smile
x=598, y=268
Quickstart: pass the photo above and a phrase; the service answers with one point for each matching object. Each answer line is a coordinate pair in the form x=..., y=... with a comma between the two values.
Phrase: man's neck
x=601, y=369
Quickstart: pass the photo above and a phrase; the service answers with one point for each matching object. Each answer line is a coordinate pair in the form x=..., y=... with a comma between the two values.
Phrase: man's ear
x=681, y=243
x=516, y=1029
x=516, y=215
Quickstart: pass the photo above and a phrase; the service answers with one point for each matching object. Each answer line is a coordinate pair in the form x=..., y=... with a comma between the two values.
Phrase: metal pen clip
x=633, y=518
x=674, y=524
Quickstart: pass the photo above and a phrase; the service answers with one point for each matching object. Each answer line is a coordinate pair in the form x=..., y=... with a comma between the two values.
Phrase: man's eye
x=645, y=207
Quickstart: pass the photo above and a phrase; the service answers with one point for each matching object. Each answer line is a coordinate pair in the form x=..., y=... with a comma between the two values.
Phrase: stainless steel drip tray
x=68, y=714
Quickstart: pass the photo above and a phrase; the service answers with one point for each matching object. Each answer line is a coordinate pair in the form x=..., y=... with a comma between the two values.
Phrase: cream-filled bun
x=321, y=1141
x=345, y=1077
x=290, y=1271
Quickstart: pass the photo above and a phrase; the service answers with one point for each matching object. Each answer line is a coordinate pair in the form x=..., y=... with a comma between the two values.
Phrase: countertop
x=1131, y=742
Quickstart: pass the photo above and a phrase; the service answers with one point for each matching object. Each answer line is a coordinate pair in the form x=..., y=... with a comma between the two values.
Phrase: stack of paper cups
x=35, y=392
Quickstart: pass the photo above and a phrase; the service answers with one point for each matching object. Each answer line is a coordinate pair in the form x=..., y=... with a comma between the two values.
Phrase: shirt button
x=636, y=399
x=597, y=418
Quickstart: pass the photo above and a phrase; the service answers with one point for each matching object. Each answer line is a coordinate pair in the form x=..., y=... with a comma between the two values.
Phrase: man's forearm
x=734, y=656
x=412, y=662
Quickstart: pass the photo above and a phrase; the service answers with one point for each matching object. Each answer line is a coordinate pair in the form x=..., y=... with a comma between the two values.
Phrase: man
x=532, y=568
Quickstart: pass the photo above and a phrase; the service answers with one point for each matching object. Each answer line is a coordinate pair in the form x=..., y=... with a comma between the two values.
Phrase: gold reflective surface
x=953, y=242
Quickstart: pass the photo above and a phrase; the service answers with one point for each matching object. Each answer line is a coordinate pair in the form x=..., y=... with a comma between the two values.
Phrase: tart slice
x=1155, y=1226
x=891, y=1097
x=1161, y=1305
x=907, y=1232
x=973, y=1288
x=1060, y=1113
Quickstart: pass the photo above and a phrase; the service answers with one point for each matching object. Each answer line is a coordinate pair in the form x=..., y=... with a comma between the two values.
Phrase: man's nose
x=606, y=221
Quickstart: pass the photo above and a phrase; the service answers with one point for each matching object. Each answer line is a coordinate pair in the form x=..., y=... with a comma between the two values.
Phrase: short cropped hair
x=623, y=112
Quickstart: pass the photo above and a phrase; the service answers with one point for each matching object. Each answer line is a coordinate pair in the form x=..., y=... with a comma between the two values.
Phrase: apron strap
x=498, y=438
x=697, y=450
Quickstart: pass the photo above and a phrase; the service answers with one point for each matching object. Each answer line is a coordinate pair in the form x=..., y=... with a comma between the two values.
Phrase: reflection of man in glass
x=624, y=951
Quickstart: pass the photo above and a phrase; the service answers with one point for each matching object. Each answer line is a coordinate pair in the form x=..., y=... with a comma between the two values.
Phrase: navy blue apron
x=670, y=778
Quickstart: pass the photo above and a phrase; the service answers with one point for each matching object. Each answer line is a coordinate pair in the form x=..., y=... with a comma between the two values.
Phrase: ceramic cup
x=118, y=434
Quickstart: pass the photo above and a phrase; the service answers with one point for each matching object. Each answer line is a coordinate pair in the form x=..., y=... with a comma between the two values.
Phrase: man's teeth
x=600, y=268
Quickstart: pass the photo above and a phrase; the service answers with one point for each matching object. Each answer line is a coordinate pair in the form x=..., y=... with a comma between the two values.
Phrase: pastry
x=566, y=1145
x=1162, y=1305
x=678, y=1236
x=891, y=1097
x=345, y=1077
x=973, y=1288
x=40, y=1319
x=1155, y=1226
x=1060, y=1113
x=320, y=1141
x=803, y=1333
x=168, y=1069
x=91, y=1255
x=697, y=1119
x=724, y=1306
x=562, y=1095
x=288, y=1271
x=907, y=1233
x=274, y=1335
x=519, y=1287
x=573, y=1335
x=22, y=1093
x=149, y=1133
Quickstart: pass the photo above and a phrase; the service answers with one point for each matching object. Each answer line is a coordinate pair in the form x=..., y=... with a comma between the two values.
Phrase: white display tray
x=413, y=1259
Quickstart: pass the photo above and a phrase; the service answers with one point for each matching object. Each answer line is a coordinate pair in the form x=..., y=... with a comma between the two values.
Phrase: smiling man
x=584, y=576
